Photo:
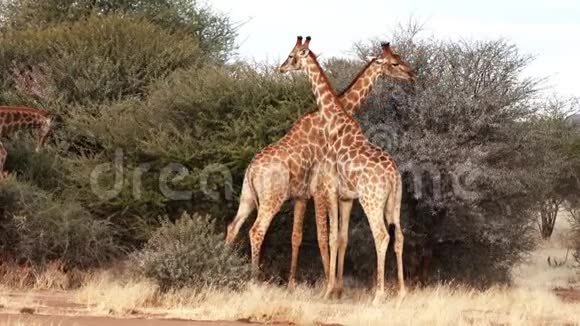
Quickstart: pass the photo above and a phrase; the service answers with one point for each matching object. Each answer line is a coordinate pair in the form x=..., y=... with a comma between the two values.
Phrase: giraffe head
x=391, y=64
x=295, y=60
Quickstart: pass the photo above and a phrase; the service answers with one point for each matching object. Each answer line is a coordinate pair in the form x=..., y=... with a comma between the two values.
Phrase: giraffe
x=352, y=168
x=303, y=142
x=14, y=118
x=387, y=64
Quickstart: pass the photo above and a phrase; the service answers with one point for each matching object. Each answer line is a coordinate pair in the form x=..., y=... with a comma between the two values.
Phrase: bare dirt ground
x=60, y=308
x=10, y=319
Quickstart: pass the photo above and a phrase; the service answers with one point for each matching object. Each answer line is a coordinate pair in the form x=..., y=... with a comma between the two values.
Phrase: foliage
x=96, y=60
x=213, y=30
x=37, y=228
x=209, y=122
x=189, y=253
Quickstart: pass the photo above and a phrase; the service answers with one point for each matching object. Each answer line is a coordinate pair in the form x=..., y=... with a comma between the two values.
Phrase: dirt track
x=57, y=308
x=21, y=319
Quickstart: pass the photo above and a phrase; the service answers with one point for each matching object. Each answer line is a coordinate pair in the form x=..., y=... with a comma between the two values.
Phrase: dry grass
x=52, y=277
x=536, y=273
x=102, y=292
x=531, y=301
x=438, y=305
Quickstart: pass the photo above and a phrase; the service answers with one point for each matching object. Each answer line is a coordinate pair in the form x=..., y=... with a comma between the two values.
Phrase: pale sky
x=548, y=29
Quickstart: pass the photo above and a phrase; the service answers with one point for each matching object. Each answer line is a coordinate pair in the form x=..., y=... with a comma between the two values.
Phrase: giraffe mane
x=356, y=78
x=23, y=109
x=322, y=73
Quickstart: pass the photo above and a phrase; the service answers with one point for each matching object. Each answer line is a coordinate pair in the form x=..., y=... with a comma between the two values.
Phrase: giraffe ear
x=371, y=57
x=303, y=52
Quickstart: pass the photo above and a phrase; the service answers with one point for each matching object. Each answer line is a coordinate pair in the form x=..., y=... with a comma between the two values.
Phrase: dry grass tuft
x=437, y=305
x=52, y=277
x=104, y=292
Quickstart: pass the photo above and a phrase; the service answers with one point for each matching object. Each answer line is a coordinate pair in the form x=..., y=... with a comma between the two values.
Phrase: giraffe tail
x=248, y=202
x=249, y=180
x=393, y=206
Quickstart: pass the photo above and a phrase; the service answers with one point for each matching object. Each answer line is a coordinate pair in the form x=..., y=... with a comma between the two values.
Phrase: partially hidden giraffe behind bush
x=15, y=118
x=350, y=168
x=282, y=170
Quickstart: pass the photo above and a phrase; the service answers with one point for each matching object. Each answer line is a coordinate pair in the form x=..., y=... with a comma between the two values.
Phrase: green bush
x=214, y=31
x=44, y=169
x=99, y=59
x=189, y=253
x=37, y=228
x=198, y=118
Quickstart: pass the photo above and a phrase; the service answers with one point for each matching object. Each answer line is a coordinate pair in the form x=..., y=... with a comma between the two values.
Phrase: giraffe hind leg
x=266, y=212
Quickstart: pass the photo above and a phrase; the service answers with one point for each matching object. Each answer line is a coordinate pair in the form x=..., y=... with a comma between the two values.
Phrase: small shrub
x=43, y=169
x=38, y=228
x=190, y=253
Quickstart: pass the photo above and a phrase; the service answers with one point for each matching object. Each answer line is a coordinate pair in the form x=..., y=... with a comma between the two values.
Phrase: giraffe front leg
x=3, y=154
x=345, y=209
x=321, y=212
x=297, y=229
x=333, y=244
x=393, y=216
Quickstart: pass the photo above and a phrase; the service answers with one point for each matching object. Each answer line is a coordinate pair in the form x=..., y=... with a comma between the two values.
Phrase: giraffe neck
x=13, y=118
x=326, y=99
x=359, y=89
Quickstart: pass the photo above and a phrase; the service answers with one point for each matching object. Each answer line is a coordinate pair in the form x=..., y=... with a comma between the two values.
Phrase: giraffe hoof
x=338, y=292
x=256, y=276
x=378, y=299
x=333, y=293
x=328, y=294
x=402, y=293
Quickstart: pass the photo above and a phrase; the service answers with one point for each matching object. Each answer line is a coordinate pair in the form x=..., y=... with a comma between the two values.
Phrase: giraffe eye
x=395, y=64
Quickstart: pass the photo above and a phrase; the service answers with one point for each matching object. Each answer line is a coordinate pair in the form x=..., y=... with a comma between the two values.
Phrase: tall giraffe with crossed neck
x=352, y=168
x=14, y=118
x=302, y=143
